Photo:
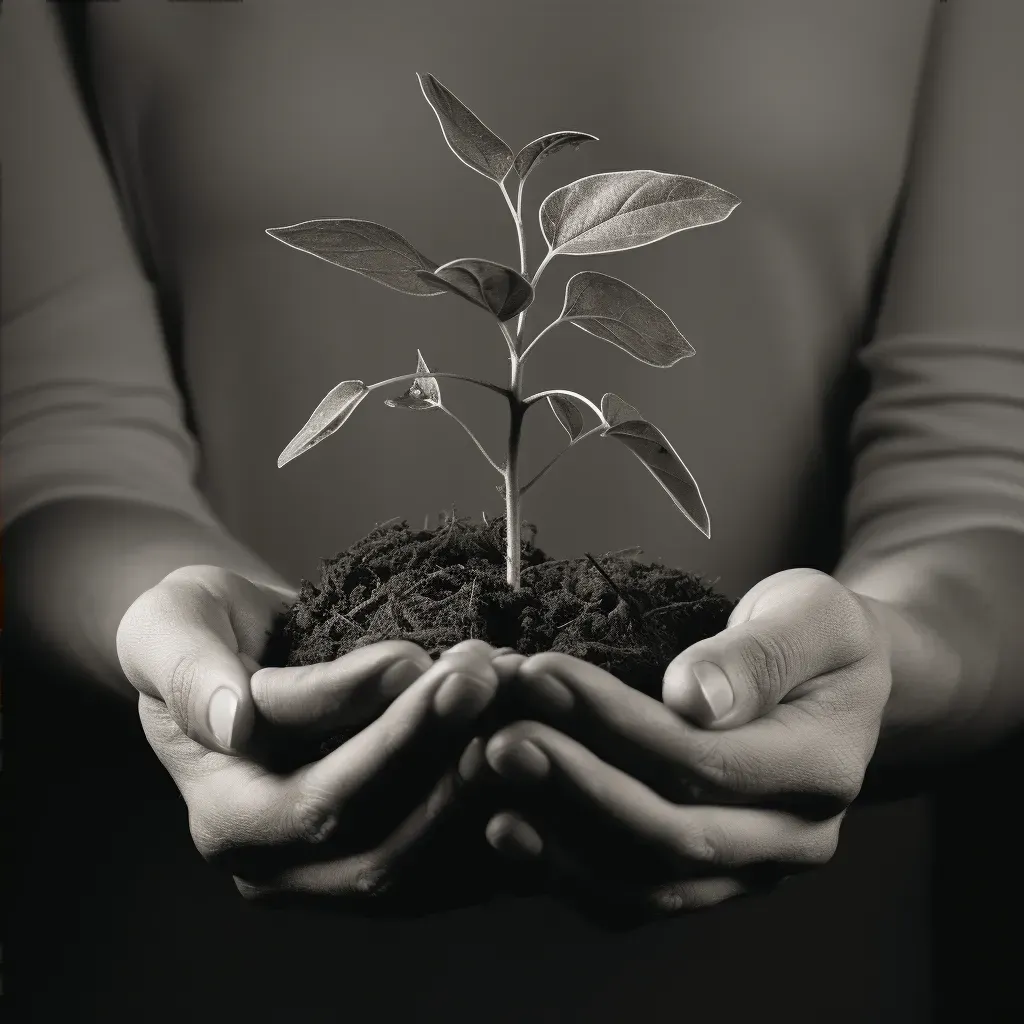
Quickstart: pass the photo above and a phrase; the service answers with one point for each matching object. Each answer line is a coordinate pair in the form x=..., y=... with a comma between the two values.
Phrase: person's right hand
x=341, y=825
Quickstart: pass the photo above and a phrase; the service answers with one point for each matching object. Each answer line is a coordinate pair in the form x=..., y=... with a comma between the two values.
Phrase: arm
x=98, y=498
x=935, y=530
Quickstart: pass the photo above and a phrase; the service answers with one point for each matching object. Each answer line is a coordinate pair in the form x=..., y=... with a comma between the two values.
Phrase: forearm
x=950, y=609
x=72, y=568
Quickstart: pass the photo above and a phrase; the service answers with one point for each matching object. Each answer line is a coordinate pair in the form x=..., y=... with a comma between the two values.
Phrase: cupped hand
x=741, y=777
x=343, y=825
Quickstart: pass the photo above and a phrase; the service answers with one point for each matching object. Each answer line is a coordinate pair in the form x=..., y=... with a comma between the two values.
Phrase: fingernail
x=472, y=760
x=399, y=677
x=521, y=762
x=501, y=651
x=550, y=692
x=715, y=687
x=221, y=714
x=513, y=836
x=462, y=696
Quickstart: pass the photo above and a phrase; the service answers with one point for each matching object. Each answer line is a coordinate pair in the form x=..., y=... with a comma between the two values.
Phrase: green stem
x=526, y=351
x=513, y=499
x=583, y=436
x=437, y=373
x=527, y=402
x=473, y=438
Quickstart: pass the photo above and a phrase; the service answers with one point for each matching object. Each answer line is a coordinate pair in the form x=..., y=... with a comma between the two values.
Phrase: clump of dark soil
x=439, y=587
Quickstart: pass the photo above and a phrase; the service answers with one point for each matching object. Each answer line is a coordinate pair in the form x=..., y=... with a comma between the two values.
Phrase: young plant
x=601, y=213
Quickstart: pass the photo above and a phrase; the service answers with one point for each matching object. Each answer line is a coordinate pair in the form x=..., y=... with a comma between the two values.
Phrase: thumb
x=789, y=630
x=177, y=643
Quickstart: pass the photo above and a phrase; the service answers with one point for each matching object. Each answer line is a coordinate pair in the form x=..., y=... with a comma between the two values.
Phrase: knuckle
x=767, y=660
x=705, y=845
x=370, y=881
x=314, y=816
x=182, y=680
x=727, y=765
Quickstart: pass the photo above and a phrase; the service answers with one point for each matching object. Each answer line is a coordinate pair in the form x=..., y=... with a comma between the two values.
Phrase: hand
x=340, y=826
x=740, y=777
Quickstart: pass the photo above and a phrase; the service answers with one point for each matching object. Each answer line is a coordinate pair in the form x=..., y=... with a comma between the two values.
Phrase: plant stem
x=554, y=323
x=527, y=402
x=437, y=373
x=473, y=438
x=513, y=499
x=540, y=270
x=583, y=436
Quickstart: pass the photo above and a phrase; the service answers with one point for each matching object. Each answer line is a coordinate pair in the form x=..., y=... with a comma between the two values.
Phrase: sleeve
x=938, y=444
x=88, y=403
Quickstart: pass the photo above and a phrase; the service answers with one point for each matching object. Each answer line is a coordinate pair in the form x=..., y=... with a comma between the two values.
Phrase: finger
x=594, y=892
x=812, y=751
x=478, y=647
x=572, y=781
x=796, y=626
x=177, y=642
x=452, y=693
x=235, y=805
x=351, y=690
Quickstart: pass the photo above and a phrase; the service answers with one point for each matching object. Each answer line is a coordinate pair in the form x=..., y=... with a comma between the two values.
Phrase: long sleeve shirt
x=844, y=395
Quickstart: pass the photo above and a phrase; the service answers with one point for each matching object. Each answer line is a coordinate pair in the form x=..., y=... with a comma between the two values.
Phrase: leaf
x=627, y=209
x=367, y=248
x=568, y=413
x=614, y=311
x=467, y=136
x=423, y=393
x=652, y=448
x=616, y=410
x=540, y=149
x=338, y=404
x=492, y=286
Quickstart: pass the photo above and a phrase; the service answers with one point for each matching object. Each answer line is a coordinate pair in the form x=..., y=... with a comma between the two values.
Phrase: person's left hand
x=741, y=777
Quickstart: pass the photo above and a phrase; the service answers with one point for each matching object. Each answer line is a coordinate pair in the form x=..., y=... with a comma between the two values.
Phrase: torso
x=226, y=119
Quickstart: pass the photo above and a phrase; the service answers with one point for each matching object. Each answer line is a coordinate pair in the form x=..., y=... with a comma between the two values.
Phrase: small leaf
x=338, y=404
x=492, y=286
x=652, y=448
x=614, y=311
x=423, y=393
x=567, y=412
x=626, y=209
x=467, y=136
x=540, y=149
x=367, y=248
x=616, y=410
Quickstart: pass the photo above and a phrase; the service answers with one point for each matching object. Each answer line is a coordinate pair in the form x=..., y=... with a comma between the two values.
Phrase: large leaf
x=627, y=209
x=568, y=413
x=617, y=410
x=530, y=155
x=367, y=248
x=424, y=392
x=467, y=136
x=338, y=404
x=652, y=448
x=492, y=286
x=614, y=311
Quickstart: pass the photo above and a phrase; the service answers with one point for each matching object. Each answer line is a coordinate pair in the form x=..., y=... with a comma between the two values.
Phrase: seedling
x=601, y=213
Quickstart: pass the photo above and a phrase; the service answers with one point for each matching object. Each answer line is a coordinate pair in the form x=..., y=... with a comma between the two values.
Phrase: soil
x=438, y=587
x=441, y=586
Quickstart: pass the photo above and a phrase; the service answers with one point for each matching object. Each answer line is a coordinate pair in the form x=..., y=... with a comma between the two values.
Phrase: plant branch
x=540, y=270
x=527, y=402
x=504, y=392
x=512, y=340
x=473, y=438
x=585, y=434
x=525, y=352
